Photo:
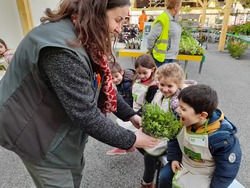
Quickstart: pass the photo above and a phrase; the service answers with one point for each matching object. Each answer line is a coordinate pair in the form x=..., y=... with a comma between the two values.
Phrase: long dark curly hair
x=91, y=24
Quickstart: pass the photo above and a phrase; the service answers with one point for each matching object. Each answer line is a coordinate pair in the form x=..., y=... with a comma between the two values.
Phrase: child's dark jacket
x=124, y=88
x=224, y=147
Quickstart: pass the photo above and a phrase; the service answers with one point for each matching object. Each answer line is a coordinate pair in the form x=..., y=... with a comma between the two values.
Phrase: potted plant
x=159, y=124
x=132, y=45
x=236, y=47
x=137, y=44
x=126, y=44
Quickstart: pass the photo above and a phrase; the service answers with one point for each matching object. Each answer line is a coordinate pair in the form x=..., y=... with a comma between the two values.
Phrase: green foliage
x=236, y=47
x=158, y=123
x=186, y=9
x=187, y=33
x=243, y=29
x=139, y=37
x=189, y=46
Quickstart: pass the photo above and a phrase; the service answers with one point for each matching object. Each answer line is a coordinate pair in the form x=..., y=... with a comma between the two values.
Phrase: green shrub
x=243, y=29
x=236, y=48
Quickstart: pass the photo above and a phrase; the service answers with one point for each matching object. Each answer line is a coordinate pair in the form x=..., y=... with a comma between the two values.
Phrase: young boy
x=206, y=153
x=123, y=80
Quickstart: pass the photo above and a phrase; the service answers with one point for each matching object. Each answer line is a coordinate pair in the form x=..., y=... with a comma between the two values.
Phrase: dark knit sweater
x=67, y=79
x=49, y=92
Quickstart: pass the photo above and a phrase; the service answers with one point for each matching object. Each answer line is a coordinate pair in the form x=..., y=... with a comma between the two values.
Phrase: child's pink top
x=147, y=82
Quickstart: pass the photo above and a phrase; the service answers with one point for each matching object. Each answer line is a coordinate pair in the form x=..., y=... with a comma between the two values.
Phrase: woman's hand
x=136, y=121
x=175, y=166
x=145, y=141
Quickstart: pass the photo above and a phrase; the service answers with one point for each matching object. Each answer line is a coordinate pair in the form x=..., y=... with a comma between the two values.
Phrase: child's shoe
x=131, y=149
x=147, y=185
x=116, y=151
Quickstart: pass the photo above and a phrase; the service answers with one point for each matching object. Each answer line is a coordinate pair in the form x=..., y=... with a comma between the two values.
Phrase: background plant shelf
x=136, y=53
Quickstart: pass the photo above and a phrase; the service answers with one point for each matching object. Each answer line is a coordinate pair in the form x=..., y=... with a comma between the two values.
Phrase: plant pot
x=236, y=48
x=137, y=46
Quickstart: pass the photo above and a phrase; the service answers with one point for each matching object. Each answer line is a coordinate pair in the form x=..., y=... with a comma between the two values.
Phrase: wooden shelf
x=136, y=53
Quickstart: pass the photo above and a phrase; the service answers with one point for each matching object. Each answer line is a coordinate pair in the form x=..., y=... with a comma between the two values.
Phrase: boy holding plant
x=206, y=152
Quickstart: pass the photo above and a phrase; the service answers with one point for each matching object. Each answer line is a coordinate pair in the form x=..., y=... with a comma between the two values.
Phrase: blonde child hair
x=173, y=71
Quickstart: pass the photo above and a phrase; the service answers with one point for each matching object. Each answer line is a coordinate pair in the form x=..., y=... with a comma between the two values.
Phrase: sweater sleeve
x=174, y=152
x=149, y=96
x=153, y=36
x=227, y=158
x=124, y=111
x=151, y=93
x=67, y=75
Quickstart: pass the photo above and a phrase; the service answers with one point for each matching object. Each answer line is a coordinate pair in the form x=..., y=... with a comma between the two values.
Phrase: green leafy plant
x=243, y=29
x=189, y=46
x=236, y=47
x=158, y=123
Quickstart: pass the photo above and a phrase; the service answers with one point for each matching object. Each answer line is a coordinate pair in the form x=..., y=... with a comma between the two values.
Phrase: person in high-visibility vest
x=143, y=18
x=164, y=37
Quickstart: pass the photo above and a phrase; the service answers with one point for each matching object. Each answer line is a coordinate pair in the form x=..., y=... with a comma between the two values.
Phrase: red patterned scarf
x=107, y=102
x=107, y=99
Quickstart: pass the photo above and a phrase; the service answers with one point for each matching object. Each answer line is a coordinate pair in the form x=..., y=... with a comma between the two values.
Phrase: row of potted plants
x=243, y=29
x=188, y=45
x=132, y=44
x=235, y=46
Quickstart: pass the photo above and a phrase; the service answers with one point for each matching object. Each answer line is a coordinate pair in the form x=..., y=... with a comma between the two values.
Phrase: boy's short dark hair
x=201, y=97
x=116, y=67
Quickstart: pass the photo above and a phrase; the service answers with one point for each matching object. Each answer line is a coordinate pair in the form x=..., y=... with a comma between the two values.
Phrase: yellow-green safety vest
x=161, y=45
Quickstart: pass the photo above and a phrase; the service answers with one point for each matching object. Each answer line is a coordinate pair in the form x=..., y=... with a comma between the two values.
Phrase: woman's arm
x=124, y=111
x=67, y=74
x=154, y=35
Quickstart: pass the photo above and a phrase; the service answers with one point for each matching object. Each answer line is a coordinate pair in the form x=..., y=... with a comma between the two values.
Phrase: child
x=171, y=80
x=143, y=85
x=5, y=53
x=206, y=153
x=123, y=80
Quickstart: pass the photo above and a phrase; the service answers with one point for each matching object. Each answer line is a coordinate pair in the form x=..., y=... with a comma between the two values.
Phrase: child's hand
x=175, y=166
x=136, y=121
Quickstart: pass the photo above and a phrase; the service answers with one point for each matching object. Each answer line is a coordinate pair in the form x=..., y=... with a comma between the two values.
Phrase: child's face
x=188, y=116
x=167, y=86
x=117, y=78
x=144, y=73
x=2, y=49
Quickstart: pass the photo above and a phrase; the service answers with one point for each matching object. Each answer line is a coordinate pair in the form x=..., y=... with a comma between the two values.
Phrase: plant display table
x=243, y=38
x=135, y=53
